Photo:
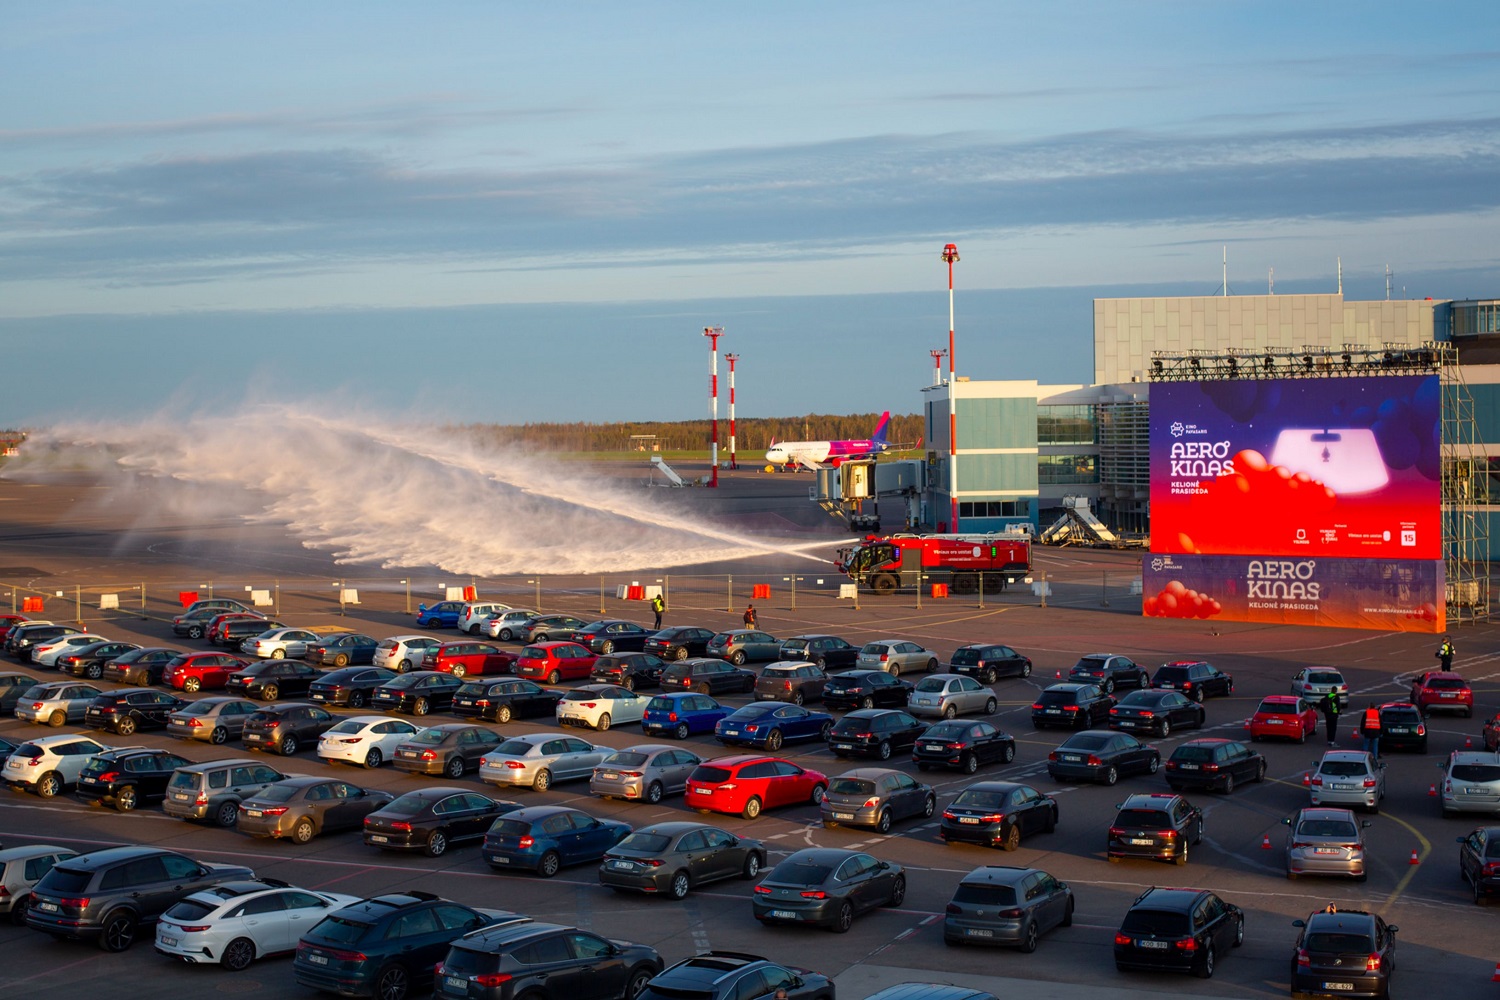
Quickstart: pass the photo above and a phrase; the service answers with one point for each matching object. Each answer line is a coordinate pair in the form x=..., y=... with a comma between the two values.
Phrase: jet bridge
x=853, y=491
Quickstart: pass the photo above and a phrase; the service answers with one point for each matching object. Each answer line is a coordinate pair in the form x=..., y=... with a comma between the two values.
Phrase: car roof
x=1444, y=674
x=1399, y=704
x=1346, y=756
x=710, y=968
x=227, y=762
x=821, y=855
x=1281, y=698
x=531, y=814
x=47, y=741
x=1325, y=812
x=996, y=875
x=1205, y=741
x=1149, y=800
x=1347, y=920
x=868, y=772
x=931, y=991
x=812, y=635
x=872, y=713
x=646, y=748
x=994, y=786
x=32, y=851
x=675, y=827
x=1169, y=898
x=113, y=855
x=736, y=760
x=1473, y=757
x=1183, y=663
x=1066, y=687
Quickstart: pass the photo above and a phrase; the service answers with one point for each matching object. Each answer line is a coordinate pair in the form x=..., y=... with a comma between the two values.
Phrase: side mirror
x=1460, y=840
x=1299, y=923
x=885, y=866
x=1392, y=928
x=1287, y=821
x=1364, y=824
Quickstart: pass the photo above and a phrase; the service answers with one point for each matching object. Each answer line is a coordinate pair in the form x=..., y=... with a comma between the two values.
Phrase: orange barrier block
x=186, y=597
x=635, y=592
x=939, y=590
x=34, y=604
x=761, y=592
x=471, y=593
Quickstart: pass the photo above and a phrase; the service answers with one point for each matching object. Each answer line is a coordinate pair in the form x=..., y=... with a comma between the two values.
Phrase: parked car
x=452, y=750
x=419, y=693
x=554, y=662
x=962, y=746
x=730, y=975
x=10, y=621
x=1159, y=826
x=348, y=686
x=127, y=777
x=769, y=724
x=46, y=652
x=233, y=633
x=674, y=858
x=681, y=714
x=444, y=614
x=1471, y=782
x=896, y=657
x=1178, y=930
x=646, y=772
x=539, y=760
x=272, y=679
x=1213, y=763
x=235, y=923
x=998, y=814
x=1479, y=862
x=366, y=740
x=21, y=868
x=496, y=963
x=89, y=660
x=300, y=808
x=194, y=672
x=105, y=896
x=1071, y=706
x=1442, y=691
x=1103, y=756
x=707, y=676
x=827, y=887
x=828, y=651
x=875, y=732
x=545, y=838
x=212, y=720
x=865, y=689
x=505, y=624
x=877, y=797
x=1109, y=671
x=1348, y=778
x=142, y=667
x=748, y=783
x=286, y=728
x=1156, y=711
x=464, y=657
x=629, y=670
x=1402, y=727
x=949, y=696
x=1344, y=953
x=680, y=642
x=611, y=635
x=214, y=791
x=56, y=703
x=433, y=819
x=1194, y=678
x=20, y=641
x=987, y=663
x=402, y=652
x=195, y=617
x=1010, y=907
x=285, y=643
x=50, y=765
x=1314, y=683
x=1325, y=842
x=128, y=709
x=1491, y=734
x=600, y=706
x=1283, y=716
x=791, y=681
x=741, y=645
x=475, y=614
x=503, y=700
x=342, y=650
x=545, y=628
x=12, y=686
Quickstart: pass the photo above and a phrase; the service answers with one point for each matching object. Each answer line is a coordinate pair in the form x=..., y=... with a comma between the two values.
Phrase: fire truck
x=964, y=562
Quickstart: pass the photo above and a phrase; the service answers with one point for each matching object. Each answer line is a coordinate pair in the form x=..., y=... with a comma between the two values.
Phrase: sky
x=494, y=211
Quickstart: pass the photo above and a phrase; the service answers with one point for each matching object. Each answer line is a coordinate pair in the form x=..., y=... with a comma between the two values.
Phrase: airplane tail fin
x=880, y=429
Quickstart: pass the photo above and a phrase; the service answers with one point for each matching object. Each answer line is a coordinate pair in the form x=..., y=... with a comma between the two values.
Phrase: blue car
x=544, y=838
x=444, y=614
x=681, y=714
x=769, y=724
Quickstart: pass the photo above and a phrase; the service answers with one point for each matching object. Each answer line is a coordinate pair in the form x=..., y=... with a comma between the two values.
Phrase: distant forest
x=753, y=433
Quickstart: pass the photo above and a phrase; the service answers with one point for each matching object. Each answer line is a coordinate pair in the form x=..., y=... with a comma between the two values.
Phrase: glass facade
x=1066, y=424
x=993, y=508
x=1473, y=318
x=1067, y=470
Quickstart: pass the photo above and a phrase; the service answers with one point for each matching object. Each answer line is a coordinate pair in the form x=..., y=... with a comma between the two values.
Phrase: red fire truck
x=964, y=562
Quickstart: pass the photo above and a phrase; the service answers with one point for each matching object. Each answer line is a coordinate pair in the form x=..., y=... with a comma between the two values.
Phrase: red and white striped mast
x=937, y=365
x=713, y=333
x=950, y=255
x=731, y=358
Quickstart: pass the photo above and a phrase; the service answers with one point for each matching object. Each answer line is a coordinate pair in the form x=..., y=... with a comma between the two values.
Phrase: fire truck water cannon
x=964, y=562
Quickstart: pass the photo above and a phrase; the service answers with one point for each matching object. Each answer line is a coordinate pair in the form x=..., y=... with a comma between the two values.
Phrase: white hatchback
x=45, y=654
x=366, y=740
x=235, y=923
x=507, y=624
x=476, y=614
x=51, y=764
x=600, y=706
x=403, y=652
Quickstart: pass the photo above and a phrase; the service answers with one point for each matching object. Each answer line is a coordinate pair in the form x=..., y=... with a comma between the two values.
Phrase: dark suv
x=989, y=662
x=1109, y=671
x=1344, y=953
x=129, y=709
x=107, y=895
x=1213, y=763
x=386, y=946
x=270, y=679
x=875, y=732
x=540, y=960
x=1194, y=678
x=1402, y=727
x=286, y=728
x=731, y=975
x=450, y=749
x=1179, y=930
x=1158, y=825
x=20, y=640
x=126, y=778
x=707, y=676
x=1071, y=706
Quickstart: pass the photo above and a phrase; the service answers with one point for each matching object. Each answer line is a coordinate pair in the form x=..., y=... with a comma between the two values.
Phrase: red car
x=214, y=633
x=1442, y=691
x=555, y=661
x=8, y=622
x=1283, y=716
x=747, y=783
x=201, y=671
x=1492, y=734
x=463, y=658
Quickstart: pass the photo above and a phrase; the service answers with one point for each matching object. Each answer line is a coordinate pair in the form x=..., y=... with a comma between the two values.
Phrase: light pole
x=950, y=255
x=713, y=333
x=937, y=364
x=731, y=358
x=407, y=585
x=538, y=582
x=793, y=581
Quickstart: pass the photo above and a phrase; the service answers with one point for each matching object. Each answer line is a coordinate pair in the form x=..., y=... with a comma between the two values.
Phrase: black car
x=450, y=749
x=140, y=666
x=1213, y=763
x=733, y=975
x=1479, y=862
x=127, y=778
x=130, y=709
x=828, y=651
x=1178, y=930
x=988, y=662
x=612, y=635
x=962, y=746
x=1347, y=953
x=865, y=689
x=1156, y=825
x=680, y=642
x=875, y=732
x=351, y=686
x=1402, y=727
x=20, y=640
x=236, y=630
x=998, y=814
x=501, y=701
x=707, y=676
x=1156, y=710
x=270, y=679
x=418, y=692
x=1071, y=706
x=386, y=946
x=1101, y=755
x=1194, y=678
x=107, y=895
x=344, y=650
x=89, y=660
x=1109, y=671
x=286, y=728
x=541, y=960
x=629, y=670
x=431, y=819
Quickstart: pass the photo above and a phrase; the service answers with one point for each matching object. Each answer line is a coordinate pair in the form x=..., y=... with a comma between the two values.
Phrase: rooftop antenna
x=1226, y=272
x=1388, y=282
x=1341, y=274
x=1271, y=282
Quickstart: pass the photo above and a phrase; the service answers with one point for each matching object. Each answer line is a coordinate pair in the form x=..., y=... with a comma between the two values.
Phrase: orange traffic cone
x=1058, y=675
x=1413, y=860
x=1306, y=779
x=1265, y=843
x=1432, y=791
x=1468, y=743
x=1496, y=977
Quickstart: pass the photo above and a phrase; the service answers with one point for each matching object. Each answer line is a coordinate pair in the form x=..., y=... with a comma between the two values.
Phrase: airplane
x=816, y=454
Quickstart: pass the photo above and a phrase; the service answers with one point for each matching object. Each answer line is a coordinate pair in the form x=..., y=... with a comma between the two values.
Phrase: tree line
x=751, y=434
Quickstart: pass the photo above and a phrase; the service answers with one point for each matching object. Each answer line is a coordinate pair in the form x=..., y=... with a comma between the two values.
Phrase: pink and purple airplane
x=815, y=454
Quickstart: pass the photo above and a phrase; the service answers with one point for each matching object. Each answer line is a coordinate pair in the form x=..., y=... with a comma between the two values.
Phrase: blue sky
x=497, y=211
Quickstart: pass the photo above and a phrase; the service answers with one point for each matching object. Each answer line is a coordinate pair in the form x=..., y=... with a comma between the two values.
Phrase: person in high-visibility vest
x=1330, y=708
x=658, y=605
x=1369, y=728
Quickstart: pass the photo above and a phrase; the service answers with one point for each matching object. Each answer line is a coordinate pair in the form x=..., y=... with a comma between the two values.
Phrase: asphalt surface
x=69, y=530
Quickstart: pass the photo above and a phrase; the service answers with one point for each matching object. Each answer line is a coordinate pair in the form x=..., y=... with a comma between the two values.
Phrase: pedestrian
x=1369, y=728
x=658, y=605
x=1445, y=653
x=750, y=616
x=1330, y=707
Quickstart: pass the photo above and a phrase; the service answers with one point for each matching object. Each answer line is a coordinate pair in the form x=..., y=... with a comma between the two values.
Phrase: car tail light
x=1188, y=944
x=1316, y=780
x=353, y=739
x=813, y=894
x=1421, y=730
x=37, y=705
x=492, y=979
x=4, y=892
x=1145, y=715
x=1094, y=761
x=1369, y=782
x=1122, y=939
x=1210, y=767
x=108, y=776
x=1070, y=708
x=277, y=811
x=960, y=746
x=196, y=928
x=525, y=842
x=1115, y=831
x=1011, y=913
x=949, y=814
x=201, y=800
x=514, y=765
x=993, y=818
x=763, y=890
x=1491, y=868
x=953, y=908
x=872, y=802
x=1372, y=964
x=728, y=787
x=591, y=704
x=1166, y=834
x=35, y=762
x=653, y=863
x=348, y=956
x=1114, y=711
x=107, y=710
x=631, y=774
x=1298, y=845
x=482, y=703
x=74, y=902
x=1052, y=755
x=402, y=826
x=1187, y=685
x=429, y=755
x=884, y=657
x=671, y=716
x=1036, y=707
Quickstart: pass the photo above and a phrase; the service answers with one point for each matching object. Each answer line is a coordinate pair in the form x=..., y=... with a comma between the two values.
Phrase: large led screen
x=1297, y=467
x=1387, y=594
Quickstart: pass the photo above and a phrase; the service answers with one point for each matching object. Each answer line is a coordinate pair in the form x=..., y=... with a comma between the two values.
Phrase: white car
x=280, y=643
x=235, y=923
x=600, y=706
x=403, y=652
x=45, y=654
x=476, y=613
x=366, y=740
x=507, y=624
x=51, y=764
x=56, y=703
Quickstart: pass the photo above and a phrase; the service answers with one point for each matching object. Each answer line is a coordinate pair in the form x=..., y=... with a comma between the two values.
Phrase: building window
x=993, y=508
x=1072, y=424
x=1067, y=470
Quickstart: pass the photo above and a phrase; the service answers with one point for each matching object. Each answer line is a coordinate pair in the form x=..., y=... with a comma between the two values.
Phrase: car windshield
x=349, y=726
x=1476, y=772
x=946, y=731
x=931, y=684
x=709, y=775
x=278, y=793
x=1086, y=741
x=514, y=748
x=1327, y=828
x=465, y=962
x=1447, y=683
x=1144, y=819
x=985, y=895
x=1198, y=754
x=1269, y=707
x=851, y=786
x=432, y=736
x=800, y=873
x=1344, y=768
x=1325, y=677
x=646, y=843
x=1338, y=944
x=660, y=705
x=339, y=930
x=980, y=799
x=1161, y=923
x=189, y=909
x=626, y=758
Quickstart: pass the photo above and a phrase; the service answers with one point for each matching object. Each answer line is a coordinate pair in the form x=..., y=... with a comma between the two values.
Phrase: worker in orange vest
x=1369, y=728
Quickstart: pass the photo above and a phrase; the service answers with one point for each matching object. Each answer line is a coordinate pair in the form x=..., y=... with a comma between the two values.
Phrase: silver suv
x=896, y=657
x=1348, y=778
x=51, y=764
x=1471, y=782
x=215, y=790
x=20, y=869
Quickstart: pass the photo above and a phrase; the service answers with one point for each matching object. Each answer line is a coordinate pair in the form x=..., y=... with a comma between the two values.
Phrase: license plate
x=1142, y=841
x=1340, y=786
x=704, y=791
x=377, y=839
x=844, y=816
x=1157, y=945
x=1127, y=723
x=1447, y=694
x=731, y=732
x=1190, y=767
x=623, y=866
x=456, y=982
x=253, y=812
x=1073, y=757
x=843, y=746
x=1475, y=791
x=498, y=859
x=252, y=737
x=609, y=776
x=1399, y=730
x=317, y=959
x=1274, y=722
x=978, y=932
x=13, y=764
x=974, y=820
x=1053, y=711
x=408, y=753
x=925, y=701
x=1326, y=850
x=784, y=914
x=1339, y=986
x=182, y=796
x=178, y=722
x=49, y=907
x=318, y=696
x=170, y=942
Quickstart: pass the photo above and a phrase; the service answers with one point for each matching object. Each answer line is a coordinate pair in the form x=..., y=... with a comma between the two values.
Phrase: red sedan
x=201, y=671
x=1442, y=691
x=1492, y=734
x=1283, y=716
x=745, y=784
x=555, y=661
x=466, y=657
x=9, y=621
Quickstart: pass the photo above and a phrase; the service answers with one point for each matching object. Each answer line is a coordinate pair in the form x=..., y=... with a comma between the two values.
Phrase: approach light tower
x=731, y=358
x=937, y=364
x=713, y=333
x=950, y=255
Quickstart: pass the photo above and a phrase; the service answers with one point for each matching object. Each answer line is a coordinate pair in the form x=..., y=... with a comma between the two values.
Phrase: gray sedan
x=645, y=772
x=212, y=720
x=539, y=759
x=950, y=695
x=56, y=703
x=875, y=796
x=1325, y=842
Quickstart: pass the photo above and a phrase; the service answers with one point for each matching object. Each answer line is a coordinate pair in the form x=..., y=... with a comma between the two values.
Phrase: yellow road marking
x=1411, y=869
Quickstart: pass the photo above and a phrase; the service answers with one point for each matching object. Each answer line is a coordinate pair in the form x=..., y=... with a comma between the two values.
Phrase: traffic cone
x=1306, y=779
x=1413, y=860
x=1265, y=843
x=1496, y=977
x=1432, y=791
x=1058, y=675
x=1468, y=743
